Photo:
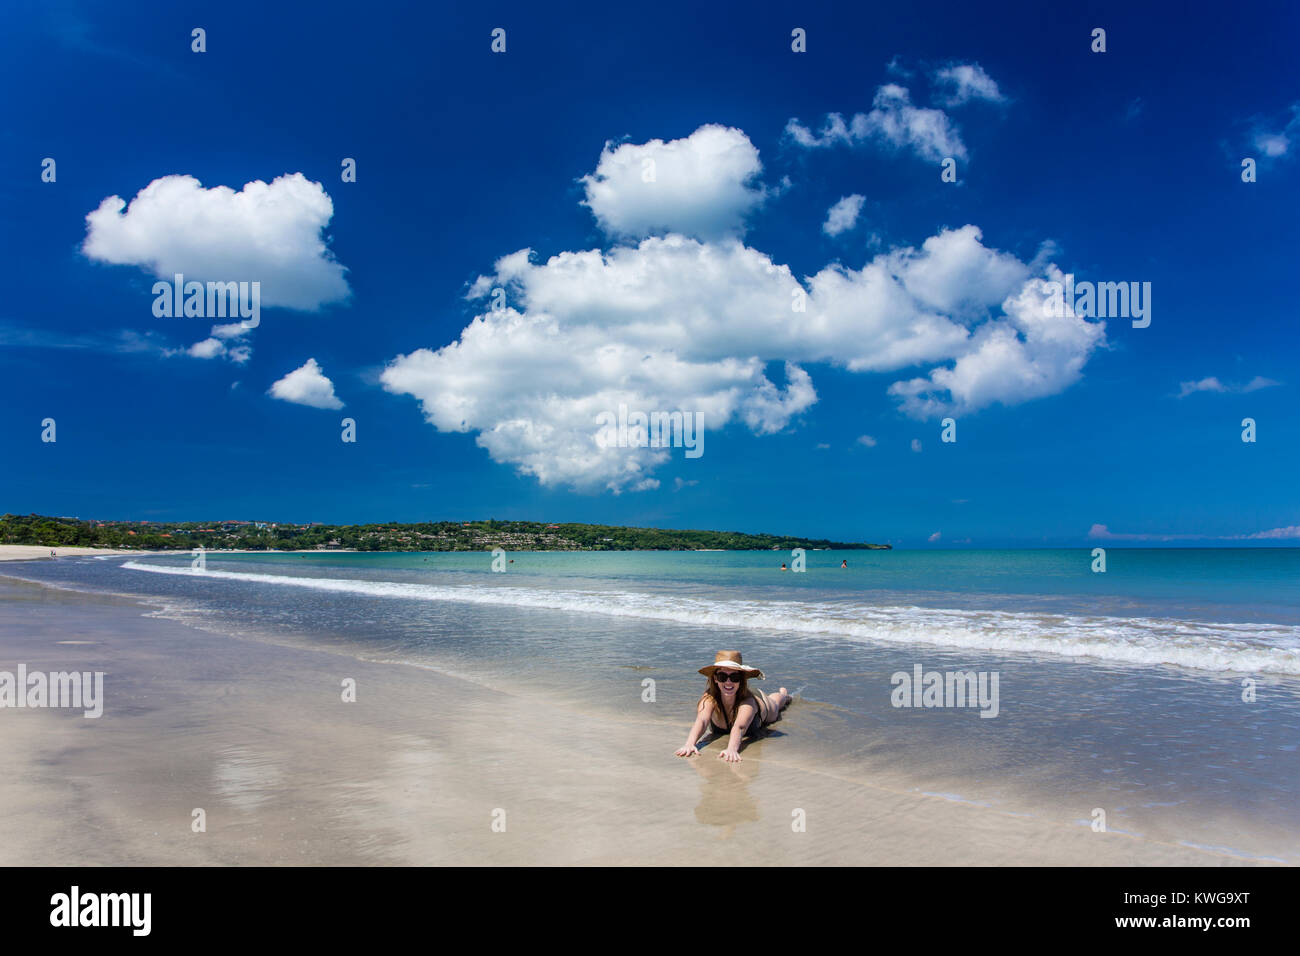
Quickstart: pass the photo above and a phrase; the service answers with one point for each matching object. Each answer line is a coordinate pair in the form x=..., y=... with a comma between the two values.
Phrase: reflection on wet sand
x=725, y=800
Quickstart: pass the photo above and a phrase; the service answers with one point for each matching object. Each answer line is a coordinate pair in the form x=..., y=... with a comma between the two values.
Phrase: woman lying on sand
x=729, y=706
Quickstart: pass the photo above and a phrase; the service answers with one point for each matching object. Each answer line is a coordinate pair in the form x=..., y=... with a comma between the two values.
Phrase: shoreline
x=38, y=552
x=417, y=770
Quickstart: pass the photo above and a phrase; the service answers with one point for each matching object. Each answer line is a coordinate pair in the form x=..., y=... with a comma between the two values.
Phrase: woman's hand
x=687, y=751
x=729, y=755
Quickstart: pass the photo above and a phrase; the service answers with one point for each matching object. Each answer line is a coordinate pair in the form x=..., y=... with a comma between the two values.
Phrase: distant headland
x=391, y=536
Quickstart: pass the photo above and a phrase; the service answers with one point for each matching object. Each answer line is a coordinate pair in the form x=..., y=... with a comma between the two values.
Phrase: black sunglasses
x=731, y=677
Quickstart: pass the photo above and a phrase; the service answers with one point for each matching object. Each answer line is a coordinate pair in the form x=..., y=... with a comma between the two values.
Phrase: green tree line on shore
x=389, y=536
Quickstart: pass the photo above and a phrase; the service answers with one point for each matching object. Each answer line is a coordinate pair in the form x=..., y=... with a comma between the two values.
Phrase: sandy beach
x=423, y=766
x=36, y=552
x=33, y=552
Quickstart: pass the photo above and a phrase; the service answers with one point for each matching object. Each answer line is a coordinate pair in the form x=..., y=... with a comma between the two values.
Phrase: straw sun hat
x=731, y=661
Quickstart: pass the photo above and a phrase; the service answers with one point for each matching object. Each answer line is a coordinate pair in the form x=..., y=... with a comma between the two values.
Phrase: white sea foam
x=1221, y=647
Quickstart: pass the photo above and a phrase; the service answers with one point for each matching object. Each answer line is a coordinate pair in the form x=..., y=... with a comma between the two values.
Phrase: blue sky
x=673, y=294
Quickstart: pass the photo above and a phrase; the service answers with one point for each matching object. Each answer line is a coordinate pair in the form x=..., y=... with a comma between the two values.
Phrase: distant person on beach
x=728, y=706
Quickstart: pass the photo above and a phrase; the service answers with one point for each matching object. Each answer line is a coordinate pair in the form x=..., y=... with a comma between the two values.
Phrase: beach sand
x=32, y=552
x=419, y=768
x=35, y=552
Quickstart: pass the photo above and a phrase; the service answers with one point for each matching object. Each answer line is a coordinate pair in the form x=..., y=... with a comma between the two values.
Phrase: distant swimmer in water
x=844, y=563
x=783, y=567
x=729, y=707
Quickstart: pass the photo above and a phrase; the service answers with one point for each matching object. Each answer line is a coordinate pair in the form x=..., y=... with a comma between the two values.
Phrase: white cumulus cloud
x=690, y=325
x=702, y=185
x=264, y=233
x=1025, y=354
x=307, y=385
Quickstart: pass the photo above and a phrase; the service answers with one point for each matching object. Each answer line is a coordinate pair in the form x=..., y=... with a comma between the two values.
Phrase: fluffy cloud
x=893, y=122
x=678, y=324
x=218, y=345
x=306, y=386
x=867, y=440
x=714, y=327
x=1023, y=355
x=843, y=216
x=208, y=348
x=265, y=233
x=961, y=83
x=927, y=132
x=699, y=186
x=1212, y=384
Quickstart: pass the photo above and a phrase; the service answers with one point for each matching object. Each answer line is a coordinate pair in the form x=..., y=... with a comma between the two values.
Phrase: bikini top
x=755, y=723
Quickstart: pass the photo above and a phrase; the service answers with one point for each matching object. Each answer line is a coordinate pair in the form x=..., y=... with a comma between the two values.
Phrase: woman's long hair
x=742, y=694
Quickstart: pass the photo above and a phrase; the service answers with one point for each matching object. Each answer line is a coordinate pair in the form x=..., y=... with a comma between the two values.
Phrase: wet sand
x=424, y=768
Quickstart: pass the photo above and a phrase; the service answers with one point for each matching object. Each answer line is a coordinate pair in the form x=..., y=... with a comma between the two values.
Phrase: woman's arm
x=744, y=714
x=697, y=728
